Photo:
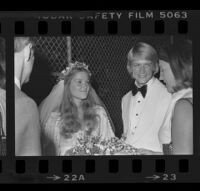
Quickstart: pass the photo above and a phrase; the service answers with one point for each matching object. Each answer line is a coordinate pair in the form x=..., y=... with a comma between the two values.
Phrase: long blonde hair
x=69, y=111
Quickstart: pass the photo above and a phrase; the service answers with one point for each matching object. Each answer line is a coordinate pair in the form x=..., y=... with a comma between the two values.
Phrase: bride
x=72, y=110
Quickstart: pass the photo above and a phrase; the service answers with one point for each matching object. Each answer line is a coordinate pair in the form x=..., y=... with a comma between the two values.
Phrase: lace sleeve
x=104, y=126
x=51, y=135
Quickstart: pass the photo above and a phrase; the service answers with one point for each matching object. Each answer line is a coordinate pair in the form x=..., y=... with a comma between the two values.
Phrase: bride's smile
x=79, y=86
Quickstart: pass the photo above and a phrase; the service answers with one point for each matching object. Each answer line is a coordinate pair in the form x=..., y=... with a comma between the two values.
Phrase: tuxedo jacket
x=151, y=117
x=27, y=126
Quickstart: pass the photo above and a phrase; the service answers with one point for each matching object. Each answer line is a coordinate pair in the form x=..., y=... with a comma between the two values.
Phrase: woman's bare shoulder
x=183, y=106
x=183, y=112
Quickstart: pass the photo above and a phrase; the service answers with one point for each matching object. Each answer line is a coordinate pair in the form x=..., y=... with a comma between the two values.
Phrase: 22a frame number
x=74, y=178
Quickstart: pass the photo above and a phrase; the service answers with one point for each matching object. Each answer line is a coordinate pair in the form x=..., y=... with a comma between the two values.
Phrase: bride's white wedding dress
x=54, y=143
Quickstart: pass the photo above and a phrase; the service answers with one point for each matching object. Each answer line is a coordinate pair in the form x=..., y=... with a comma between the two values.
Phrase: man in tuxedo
x=27, y=126
x=145, y=106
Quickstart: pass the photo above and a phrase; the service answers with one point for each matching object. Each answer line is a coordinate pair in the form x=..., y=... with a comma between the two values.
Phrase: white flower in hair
x=75, y=65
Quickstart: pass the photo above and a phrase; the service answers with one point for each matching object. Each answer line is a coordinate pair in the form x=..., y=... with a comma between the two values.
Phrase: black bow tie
x=142, y=90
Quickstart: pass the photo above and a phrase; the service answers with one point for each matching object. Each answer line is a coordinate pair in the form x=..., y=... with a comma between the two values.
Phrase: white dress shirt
x=137, y=104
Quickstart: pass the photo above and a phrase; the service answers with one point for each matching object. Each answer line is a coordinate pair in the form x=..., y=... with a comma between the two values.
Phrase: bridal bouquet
x=87, y=145
x=95, y=146
x=116, y=146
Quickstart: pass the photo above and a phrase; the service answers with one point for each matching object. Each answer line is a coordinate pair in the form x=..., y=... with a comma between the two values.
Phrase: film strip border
x=135, y=27
x=97, y=170
x=94, y=169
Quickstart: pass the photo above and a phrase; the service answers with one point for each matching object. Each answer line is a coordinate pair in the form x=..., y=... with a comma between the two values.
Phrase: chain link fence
x=106, y=57
x=54, y=49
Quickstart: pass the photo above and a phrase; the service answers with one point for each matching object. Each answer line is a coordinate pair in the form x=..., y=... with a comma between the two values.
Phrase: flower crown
x=75, y=65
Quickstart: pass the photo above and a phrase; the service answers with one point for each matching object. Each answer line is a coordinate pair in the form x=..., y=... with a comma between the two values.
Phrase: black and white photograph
x=2, y=98
x=102, y=95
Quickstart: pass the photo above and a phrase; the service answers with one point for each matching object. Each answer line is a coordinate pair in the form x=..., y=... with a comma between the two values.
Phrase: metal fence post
x=69, y=49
